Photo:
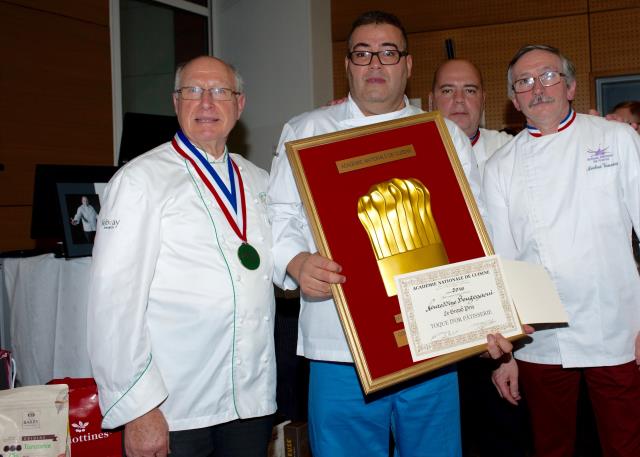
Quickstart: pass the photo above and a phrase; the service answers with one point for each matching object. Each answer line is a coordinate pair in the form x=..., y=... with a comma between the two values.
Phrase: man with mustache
x=565, y=193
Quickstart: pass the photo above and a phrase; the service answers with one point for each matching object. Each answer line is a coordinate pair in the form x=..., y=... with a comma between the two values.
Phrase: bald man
x=457, y=92
x=180, y=320
x=491, y=427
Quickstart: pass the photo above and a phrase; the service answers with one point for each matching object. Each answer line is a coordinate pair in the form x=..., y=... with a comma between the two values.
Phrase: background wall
x=55, y=77
x=600, y=36
x=55, y=102
x=283, y=51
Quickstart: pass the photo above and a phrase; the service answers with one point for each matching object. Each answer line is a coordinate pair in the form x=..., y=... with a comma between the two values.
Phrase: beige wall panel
x=15, y=226
x=491, y=48
x=615, y=46
x=56, y=96
x=423, y=16
x=603, y=5
x=96, y=11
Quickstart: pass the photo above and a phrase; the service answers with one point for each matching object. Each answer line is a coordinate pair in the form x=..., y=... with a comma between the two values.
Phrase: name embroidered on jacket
x=599, y=158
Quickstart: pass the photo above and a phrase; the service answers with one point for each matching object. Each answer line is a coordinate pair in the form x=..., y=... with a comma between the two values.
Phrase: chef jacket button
x=265, y=277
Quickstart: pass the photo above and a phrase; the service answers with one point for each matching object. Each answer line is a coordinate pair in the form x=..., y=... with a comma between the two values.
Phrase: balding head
x=458, y=94
x=207, y=120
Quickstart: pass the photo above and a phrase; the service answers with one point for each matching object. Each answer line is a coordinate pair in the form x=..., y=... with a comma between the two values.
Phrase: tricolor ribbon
x=565, y=123
x=212, y=181
x=474, y=139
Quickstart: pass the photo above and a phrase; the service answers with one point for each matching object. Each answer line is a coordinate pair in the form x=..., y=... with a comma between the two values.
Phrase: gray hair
x=568, y=68
x=236, y=74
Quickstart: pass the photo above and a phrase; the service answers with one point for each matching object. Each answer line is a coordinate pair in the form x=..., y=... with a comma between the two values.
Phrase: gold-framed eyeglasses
x=386, y=56
x=547, y=79
x=220, y=94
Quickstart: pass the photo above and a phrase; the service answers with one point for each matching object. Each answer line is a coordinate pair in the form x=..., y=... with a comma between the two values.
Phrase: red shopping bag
x=87, y=437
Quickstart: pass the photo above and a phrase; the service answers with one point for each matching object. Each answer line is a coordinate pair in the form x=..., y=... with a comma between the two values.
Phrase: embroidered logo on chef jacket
x=109, y=224
x=600, y=157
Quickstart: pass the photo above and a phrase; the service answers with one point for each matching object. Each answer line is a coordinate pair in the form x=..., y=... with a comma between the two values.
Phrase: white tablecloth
x=47, y=303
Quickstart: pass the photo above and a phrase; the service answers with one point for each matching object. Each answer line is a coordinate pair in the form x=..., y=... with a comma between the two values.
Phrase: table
x=47, y=313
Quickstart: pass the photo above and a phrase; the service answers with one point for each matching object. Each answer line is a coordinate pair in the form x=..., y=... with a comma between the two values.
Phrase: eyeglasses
x=547, y=79
x=386, y=57
x=220, y=94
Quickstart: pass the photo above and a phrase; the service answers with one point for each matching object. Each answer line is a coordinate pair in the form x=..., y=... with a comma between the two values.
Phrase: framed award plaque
x=385, y=200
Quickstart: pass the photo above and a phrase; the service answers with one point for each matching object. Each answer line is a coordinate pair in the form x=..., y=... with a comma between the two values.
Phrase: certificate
x=383, y=200
x=451, y=308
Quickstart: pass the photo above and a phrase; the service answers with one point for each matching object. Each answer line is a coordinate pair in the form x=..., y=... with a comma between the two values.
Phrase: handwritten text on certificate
x=454, y=307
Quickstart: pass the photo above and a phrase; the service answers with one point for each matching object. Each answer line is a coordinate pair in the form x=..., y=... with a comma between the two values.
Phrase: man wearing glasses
x=180, y=320
x=565, y=193
x=424, y=415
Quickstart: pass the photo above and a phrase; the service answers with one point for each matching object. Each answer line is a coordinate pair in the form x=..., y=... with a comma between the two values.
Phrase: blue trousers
x=424, y=417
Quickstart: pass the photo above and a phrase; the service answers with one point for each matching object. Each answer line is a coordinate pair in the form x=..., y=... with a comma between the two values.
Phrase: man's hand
x=338, y=101
x=614, y=117
x=505, y=378
x=147, y=436
x=498, y=345
x=315, y=274
x=638, y=349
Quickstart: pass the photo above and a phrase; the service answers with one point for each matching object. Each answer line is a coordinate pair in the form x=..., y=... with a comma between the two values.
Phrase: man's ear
x=175, y=102
x=242, y=100
x=571, y=90
x=515, y=102
x=430, y=101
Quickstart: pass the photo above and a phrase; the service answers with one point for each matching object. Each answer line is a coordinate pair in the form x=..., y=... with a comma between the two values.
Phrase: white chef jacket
x=320, y=335
x=488, y=142
x=88, y=216
x=568, y=201
x=174, y=319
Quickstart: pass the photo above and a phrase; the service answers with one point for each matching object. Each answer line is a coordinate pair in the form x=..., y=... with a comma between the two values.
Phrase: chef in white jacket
x=423, y=416
x=491, y=425
x=180, y=325
x=458, y=93
x=565, y=193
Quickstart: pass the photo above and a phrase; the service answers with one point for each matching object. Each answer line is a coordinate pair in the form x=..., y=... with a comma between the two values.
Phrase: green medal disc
x=248, y=256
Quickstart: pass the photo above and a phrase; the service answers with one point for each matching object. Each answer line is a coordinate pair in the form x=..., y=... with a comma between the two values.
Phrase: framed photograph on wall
x=609, y=90
x=79, y=207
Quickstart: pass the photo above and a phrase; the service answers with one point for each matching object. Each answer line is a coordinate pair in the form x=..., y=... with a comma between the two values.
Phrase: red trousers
x=552, y=396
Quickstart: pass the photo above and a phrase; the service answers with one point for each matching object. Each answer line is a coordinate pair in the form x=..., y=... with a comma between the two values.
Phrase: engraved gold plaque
x=396, y=215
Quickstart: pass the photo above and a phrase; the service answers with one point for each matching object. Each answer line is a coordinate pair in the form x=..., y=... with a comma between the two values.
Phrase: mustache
x=540, y=98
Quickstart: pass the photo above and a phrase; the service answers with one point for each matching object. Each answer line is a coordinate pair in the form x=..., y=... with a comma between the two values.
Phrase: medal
x=248, y=256
x=236, y=217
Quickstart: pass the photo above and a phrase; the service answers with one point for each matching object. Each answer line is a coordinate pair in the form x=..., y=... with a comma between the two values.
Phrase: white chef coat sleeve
x=124, y=257
x=289, y=224
x=497, y=221
x=468, y=162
